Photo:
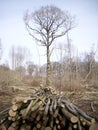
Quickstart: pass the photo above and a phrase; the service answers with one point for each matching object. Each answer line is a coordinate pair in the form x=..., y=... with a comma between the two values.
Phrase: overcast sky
x=13, y=32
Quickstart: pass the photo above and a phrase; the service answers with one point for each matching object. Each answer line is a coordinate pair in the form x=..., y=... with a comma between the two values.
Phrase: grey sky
x=13, y=32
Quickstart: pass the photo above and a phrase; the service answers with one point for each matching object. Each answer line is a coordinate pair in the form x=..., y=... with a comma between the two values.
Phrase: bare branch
x=31, y=34
x=48, y=23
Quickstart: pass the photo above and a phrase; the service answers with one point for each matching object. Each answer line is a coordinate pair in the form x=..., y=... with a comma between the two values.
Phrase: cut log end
x=94, y=126
x=74, y=119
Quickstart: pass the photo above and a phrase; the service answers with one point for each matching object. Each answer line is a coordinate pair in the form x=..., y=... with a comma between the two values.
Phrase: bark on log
x=69, y=116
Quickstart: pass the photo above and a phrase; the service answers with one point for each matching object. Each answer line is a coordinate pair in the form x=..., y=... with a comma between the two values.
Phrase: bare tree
x=30, y=68
x=0, y=49
x=47, y=24
x=17, y=56
x=12, y=55
x=90, y=60
x=88, y=67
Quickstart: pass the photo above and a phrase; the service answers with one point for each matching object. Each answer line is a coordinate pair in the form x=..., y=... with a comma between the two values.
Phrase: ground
x=87, y=101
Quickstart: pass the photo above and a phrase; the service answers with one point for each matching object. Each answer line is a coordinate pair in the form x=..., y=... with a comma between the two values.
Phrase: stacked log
x=45, y=110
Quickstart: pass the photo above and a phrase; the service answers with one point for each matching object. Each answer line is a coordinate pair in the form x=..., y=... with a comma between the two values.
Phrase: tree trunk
x=48, y=67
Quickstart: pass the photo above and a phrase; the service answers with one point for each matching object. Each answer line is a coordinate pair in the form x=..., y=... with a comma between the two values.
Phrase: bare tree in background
x=30, y=68
x=47, y=24
x=0, y=50
x=12, y=55
x=89, y=61
x=17, y=55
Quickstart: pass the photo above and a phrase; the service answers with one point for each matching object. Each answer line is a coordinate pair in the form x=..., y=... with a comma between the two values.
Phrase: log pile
x=45, y=110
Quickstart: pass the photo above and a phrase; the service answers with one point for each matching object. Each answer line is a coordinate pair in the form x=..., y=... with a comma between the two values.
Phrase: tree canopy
x=47, y=24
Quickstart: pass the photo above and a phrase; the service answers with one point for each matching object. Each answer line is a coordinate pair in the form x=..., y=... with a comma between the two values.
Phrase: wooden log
x=82, y=113
x=57, y=121
x=70, y=107
x=41, y=110
x=69, y=127
x=84, y=122
x=62, y=105
x=55, y=104
x=12, y=113
x=33, y=115
x=51, y=108
x=58, y=127
x=75, y=126
x=28, y=127
x=38, y=104
x=28, y=108
x=9, y=118
x=13, y=119
x=28, y=99
x=42, y=128
x=12, y=128
x=54, y=127
x=25, y=127
x=56, y=113
x=79, y=125
x=47, y=107
x=45, y=120
x=19, y=100
x=32, y=103
x=22, y=111
x=38, y=125
x=69, y=116
x=48, y=128
x=17, y=117
x=33, y=108
x=94, y=126
x=5, y=125
x=16, y=107
x=37, y=93
x=34, y=128
x=59, y=101
x=61, y=117
x=63, y=122
x=2, y=120
x=2, y=127
x=15, y=124
x=51, y=122
x=38, y=118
